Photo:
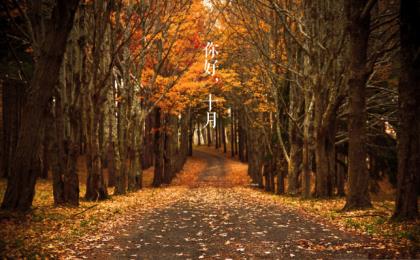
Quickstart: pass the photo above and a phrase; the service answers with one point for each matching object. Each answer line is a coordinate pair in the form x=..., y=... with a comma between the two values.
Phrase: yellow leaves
x=264, y=107
x=263, y=26
x=229, y=78
x=189, y=174
x=162, y=82
x=158, y=36
x=59, y=232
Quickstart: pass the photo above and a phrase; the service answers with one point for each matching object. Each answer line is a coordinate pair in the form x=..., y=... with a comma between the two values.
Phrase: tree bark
x=341, y=175
x=216, y=132
x=147, y=155
x=190, y=135
x=185, y=119
x=223, y=135
x=208, y=132
x=235, y=132
x=359, y=26
x=95, y=184
x=325, y=157
x=232, y=134
x=12, y=102
x=255, y=164
x=281, y=173
x=158, y=150
x=306, y=178
x=241, y=135
x=170, y=148
x=295, y=141
x=198, y=134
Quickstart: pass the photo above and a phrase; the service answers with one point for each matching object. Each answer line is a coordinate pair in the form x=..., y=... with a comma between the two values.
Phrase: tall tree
x=21, y=185
x=358, y=16
x=406, y=205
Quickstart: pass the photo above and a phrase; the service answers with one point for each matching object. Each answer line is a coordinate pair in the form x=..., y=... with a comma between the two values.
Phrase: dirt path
x=221, y=223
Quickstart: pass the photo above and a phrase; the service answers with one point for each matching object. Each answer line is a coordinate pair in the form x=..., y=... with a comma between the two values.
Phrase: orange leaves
x=29, y=50
x=228, y=79
x=263, y=26
x=189, y=174
x=170, y=54
x=195, y=41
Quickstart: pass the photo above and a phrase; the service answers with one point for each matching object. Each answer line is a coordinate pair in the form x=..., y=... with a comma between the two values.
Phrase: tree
x=409, y=111
x=21, y=186
x=326, y=62
x=358, y=16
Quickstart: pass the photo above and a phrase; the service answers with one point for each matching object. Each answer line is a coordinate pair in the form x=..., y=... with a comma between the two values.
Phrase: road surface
x=211, y=221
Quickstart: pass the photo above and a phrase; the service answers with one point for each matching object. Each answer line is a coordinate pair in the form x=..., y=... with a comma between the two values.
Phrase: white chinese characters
x=210, y=69
x=210, y=66
x=211, y=116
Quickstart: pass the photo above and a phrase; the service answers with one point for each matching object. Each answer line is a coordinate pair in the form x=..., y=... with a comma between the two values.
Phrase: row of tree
x=325, y=90
x=316, y=96
x=110, y=82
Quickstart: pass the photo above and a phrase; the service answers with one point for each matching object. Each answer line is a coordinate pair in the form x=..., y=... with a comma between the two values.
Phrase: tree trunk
x=216, y=133
x=158, y=150
x=208, y=132
x=147, y=154
x=198, y=134
x=13, y=102
x=295, y=159
x=223, y=135
x=95, y=184
x=324, y=151
x=255, y=164
x=269, y=175
x=232, y=134
x=170, y=148
x=185, y=119
x=341, y=175
x=359, y=26
x=2, y=157
x=121, y=178
x=295, y=140
x=44, y=160
x=306, y=178
x=235, y=132
x=241, y=133
x=110, y=154
x=190, y=135
x=406, y=206
x=281, y=172
x=56, y=153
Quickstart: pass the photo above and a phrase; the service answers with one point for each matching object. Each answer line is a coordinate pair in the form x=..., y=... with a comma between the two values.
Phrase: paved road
x=215, y=170
x=213, y=222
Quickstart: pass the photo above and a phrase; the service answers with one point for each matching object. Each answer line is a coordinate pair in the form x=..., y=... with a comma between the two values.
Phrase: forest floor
x=209, y=211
